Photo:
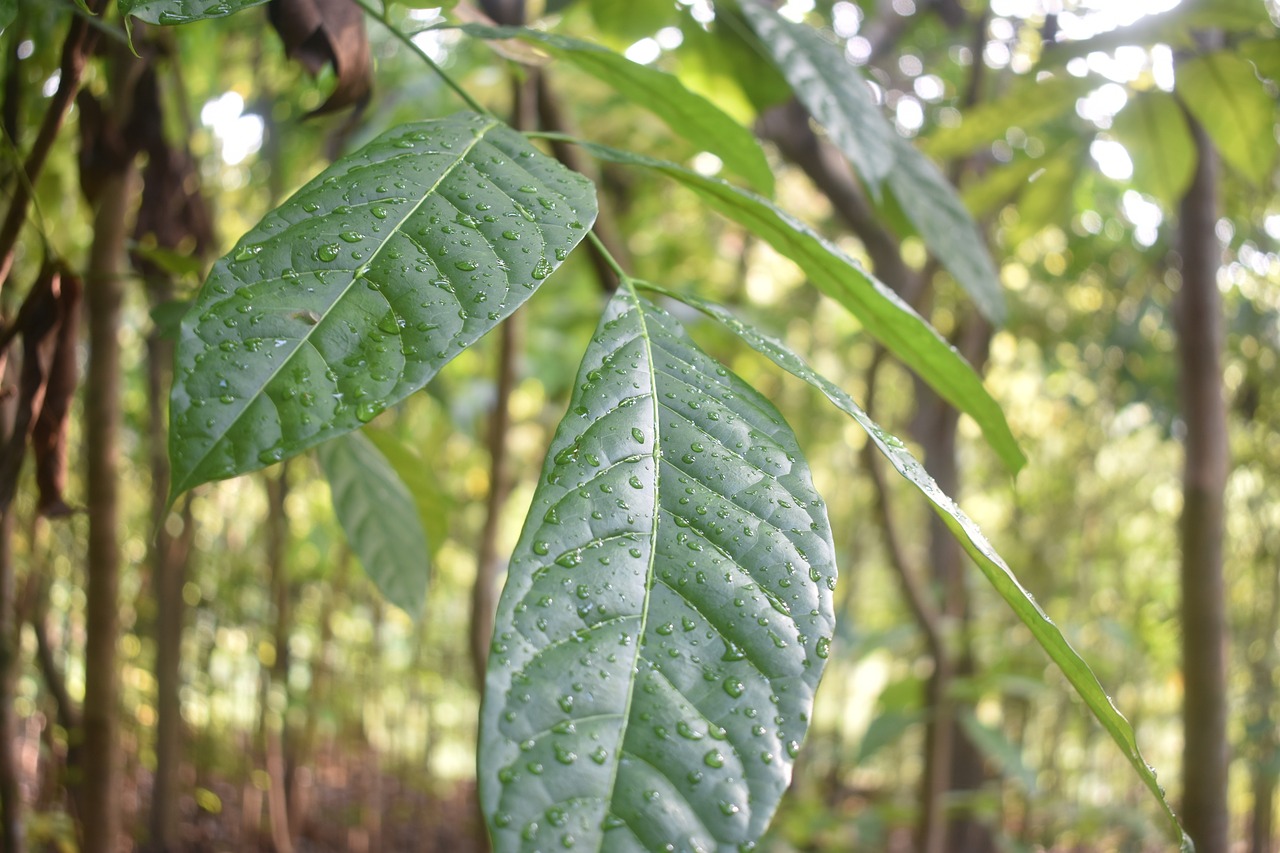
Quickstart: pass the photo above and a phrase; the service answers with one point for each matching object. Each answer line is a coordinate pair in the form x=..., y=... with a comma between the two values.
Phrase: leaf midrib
x=355, y=277
x=656, y=454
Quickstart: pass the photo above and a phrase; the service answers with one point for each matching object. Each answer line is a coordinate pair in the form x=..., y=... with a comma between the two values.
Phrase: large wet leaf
x=667, y=612
x=970, y=537
x=168, y=12
x=884, y=315
x=358, y=289
x=380, y=518
x=836, y=95
x=692, y=116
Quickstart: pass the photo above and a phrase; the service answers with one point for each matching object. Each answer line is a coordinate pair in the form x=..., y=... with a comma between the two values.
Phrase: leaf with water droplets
x=357, y=290
x=882, y=312
x=966, y=533
x=170, y=12
x=665, y=609
x=380, y=518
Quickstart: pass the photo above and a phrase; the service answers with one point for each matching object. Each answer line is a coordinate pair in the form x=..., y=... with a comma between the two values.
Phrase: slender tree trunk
x=275, y=737
x=104, y=291
x=1204, y=629
x=12, y=833
x=168, y=559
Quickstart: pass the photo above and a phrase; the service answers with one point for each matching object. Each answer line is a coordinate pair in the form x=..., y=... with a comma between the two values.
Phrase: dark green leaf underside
x=832, y=90
x=667, y=612
x=358, y=289
x=881, y=311
x=692, y=116
x=380, y=518
x=970, y=538
x=169, y=12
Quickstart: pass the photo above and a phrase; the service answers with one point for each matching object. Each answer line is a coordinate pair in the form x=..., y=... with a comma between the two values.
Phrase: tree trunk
x=104, y=291
x=1204, y=631
x=275, y=737
x=168, y=574
x=12, y=834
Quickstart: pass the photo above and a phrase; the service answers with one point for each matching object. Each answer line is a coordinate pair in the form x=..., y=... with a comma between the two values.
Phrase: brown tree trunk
x=1204, y=630
x=275, y=732
x=104, y=291
x=12, y=833
x=168, y=574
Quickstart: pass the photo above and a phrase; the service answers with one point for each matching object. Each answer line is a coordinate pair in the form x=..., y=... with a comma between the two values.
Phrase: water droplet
x=566, y=703
x=466, y=266
x=565, y=756
x=713, y=758
x=369, y=410
x=541, y=548
x=600, y=755
x=823, y=647
x=687, y=731
x=542, y=269
x=637, y=434
x=327, y=252
x=734, y=687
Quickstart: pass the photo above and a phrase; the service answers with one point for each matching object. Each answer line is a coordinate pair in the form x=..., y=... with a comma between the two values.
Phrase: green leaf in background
x=379, y=517
x=1028, y=104
x=420, y=477
x=1046, y=199
x=833, y=91
x=882, y=313
x=667, y=613
x=691, y=116
x=970, y=538
x=8, y=12
x=936, y=210
x=169, y=12
x=630, y=21
x=1225, y=95
x=358, y=289
x=999, y=185
x=1154, y=131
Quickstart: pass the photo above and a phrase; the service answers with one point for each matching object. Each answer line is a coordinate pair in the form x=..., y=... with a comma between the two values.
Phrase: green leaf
x=1225, y=95
x=1029, y=103
x=832, y=90
x=358, y=289
x=691, y=116
x=970, y=538
x=667, y=613
x=884, y=315
x=168, y=12
x=1154, y=131
x=8, y=12
x=934, y=207
x=421, y=478
x=835, y=94
x=999, y=184
x=631, y=21
x=379, y=516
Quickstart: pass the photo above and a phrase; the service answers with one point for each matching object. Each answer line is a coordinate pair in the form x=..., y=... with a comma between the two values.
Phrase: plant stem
x=608, y=258
x=381, y=17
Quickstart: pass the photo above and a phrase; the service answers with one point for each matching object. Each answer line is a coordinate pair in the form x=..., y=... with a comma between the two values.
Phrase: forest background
x=272, y=664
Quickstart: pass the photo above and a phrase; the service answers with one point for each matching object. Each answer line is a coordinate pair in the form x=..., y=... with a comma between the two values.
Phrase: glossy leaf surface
x=692, y=116
x=667, y=612
x=358, y=289
x=834, y=92
x=884, y=315
x=169, y=12
x=380, y=518
x=971, y=538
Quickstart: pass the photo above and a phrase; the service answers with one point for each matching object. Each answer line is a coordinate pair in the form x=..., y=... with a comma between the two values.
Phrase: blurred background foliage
x=378, y=706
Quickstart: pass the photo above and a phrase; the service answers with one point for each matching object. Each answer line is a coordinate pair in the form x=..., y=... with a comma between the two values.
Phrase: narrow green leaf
x=1028, y=104
x=970, y=538
x=667, y=613
x=690, y=115
x=168, y=12
x=884, y=315
x=1154, y=131
x=835, y=94
x=1225, y=95
x=833, y=91
x=8, y=12
x=378, y=514
x=934, y=207
x=358, y=289
x=999, y=185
